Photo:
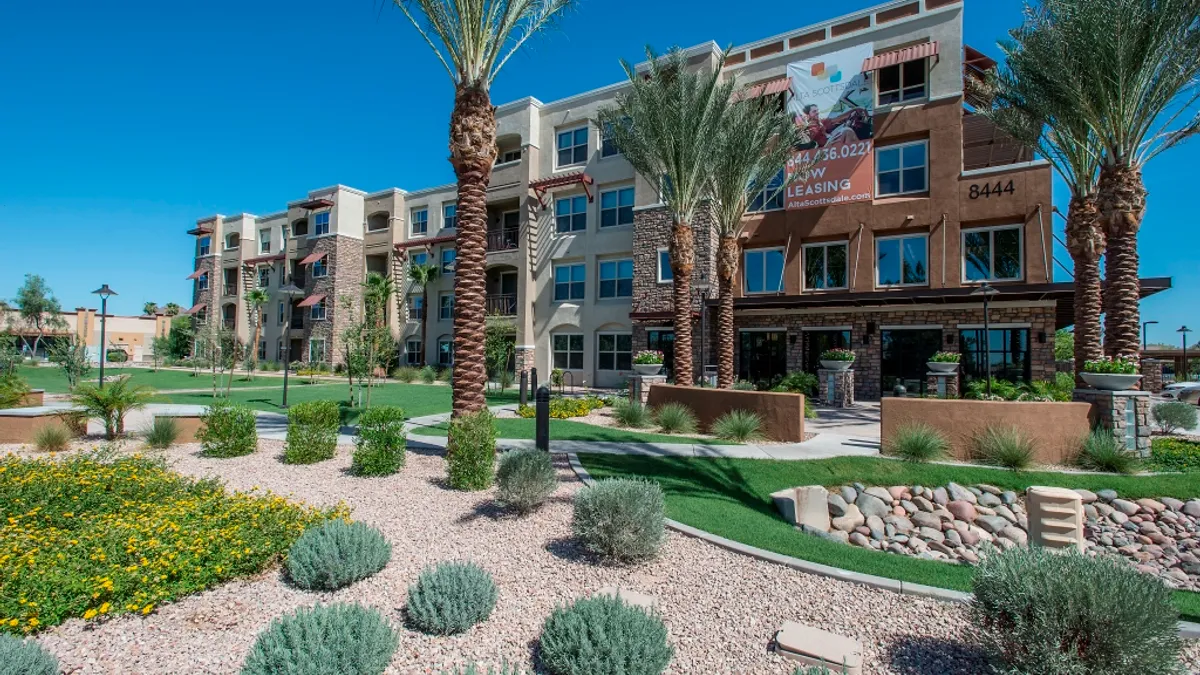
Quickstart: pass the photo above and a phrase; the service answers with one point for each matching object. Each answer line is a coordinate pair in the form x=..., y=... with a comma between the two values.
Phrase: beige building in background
x=130, y=334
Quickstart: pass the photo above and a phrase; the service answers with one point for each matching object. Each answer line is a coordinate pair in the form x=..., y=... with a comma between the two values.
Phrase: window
x=770, y=198
x=317, y=311
x=202, y=315
x=420, y=222
x=992, y=253
x=419, y=258
x=616, y=278
x=763, y=270
x=282, y=313
x=900, y=169
x=665, y=273
x=321, y=224
x=416, y=307
x=449, y=256
x=264, y=276
x=614, y=351
x=412, y=352
x=262, y=350
x=445, y=352
x=300, y=227
x=901, y=82
x=572, y=146
x=446, y=306
x=316, y=350
x=616, y=207
x=320, y=268
x=205, y=245
x=1008, y=358
x=902, y=261
x=377, y=222
x=264, y=241
x=608, y=147
x=570, y=214
x=508, y=156
x=232, y=241
x=450, y=216
x=568, y=352
x=279, y=350
x=202, y=282
x=825, y=265
x=569, y=282
x=283, y=234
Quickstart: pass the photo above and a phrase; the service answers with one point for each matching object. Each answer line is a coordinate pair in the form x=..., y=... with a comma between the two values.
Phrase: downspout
x=787, y=248
x=943, y=226
x=857, y=255
x=1045, y=259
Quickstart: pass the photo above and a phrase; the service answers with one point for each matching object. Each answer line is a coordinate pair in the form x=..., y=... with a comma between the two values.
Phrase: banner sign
x=833, y=100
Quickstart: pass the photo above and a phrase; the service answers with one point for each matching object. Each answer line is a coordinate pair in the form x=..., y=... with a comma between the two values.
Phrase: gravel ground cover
x=720, y=608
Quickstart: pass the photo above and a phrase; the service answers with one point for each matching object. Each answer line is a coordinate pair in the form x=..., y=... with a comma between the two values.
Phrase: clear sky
x=121, y=123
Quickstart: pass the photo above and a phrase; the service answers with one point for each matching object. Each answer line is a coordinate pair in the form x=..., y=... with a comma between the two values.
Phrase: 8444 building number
x=999, y=189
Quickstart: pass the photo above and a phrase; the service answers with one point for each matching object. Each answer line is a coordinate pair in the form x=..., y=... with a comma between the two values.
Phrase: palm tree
x=423, y=274
x=150, y=308
x=378, y=290
x=753, y=147
x=473, y=39
x=256, y=299
x=664, y=123
x=171, y=309
x=111, y=403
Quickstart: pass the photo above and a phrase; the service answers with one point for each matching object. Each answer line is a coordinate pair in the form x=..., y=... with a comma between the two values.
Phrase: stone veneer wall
x=1152, y=375
x=345, y=259
x=1111, y=410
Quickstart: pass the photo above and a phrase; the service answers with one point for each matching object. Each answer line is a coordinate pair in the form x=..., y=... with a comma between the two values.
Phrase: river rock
x=1087, y=496
x=960, y=493
x=992, y=524
x=903, y=525
x=989, y=499
x=1151, y=505
x=875, y=526
x=898, y=492
x=871, y=505
x=908, y=506
x=1172, y=503
x=922, y=519
x=929, y=534
x=837, y=505
x=1015, y=535
x=1118, y=517
x=1128, y=508
x=963, y=510
x=849, y=494
x=1005, y=513
x=1008, y=498
x=851, y=520
x=940, y=497
x=1106, y=495
x=923, y=504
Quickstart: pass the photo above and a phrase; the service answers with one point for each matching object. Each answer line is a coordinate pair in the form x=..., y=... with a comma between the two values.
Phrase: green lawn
x=732, y=498
x=53, y=381
x=566, y=430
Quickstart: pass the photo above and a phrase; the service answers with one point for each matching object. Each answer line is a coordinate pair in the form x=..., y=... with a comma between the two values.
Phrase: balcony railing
x=298, y=279
x=503, y=240
x=231, y=289
x=297, y=319
x=502, y=304
x=229, y=324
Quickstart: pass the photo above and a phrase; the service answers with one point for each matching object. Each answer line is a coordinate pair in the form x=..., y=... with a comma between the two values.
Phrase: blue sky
x=122, y=123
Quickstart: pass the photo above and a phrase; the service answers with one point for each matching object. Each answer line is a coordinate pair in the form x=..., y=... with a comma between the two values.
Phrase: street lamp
x=1144, y=324
x=1183, y=333
x=104, y=292
x=986, y=292
x=702, y=286
x=289, y=291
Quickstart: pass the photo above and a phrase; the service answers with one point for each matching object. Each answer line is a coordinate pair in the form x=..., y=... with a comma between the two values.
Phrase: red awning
x=896, y=56
x=195, y=308
x=312, y=258
x=540, y=187
x=764, y=89
x=197, y=274
x=311, y=300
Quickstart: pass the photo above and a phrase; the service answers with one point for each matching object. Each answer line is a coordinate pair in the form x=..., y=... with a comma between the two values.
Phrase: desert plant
x=1175, y=454
x=111, y=403
x=406, y=374
x=229, y=430
x=505, y=379
x=620, y=518
x=381, y=443
x=1048, y=612
x=602, y=635
x=917, y=442
x=675, y=418
x=1007, y=447
x=818, y=670
x=798, y=382
x=450, y=598
x=631, y=414
x=336, y=554
x=648, y=357
x=51, y=437
x=1173, y=416
x=525, y=479
x=312, y=432
x=162, y=432
x=471, y=451
x=556, y=377
x=340, y=638
x=741, y=426
x=744, y=385
x=428, y=375
x=13, y=389
x=1101, y=451
x=25, y=657
x=445, y=374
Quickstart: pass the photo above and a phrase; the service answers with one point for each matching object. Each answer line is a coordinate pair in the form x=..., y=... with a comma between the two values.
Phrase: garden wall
x=32, y=399
x=189, y=425
x=19, y=425
x=1056, y=429
x=782, y=413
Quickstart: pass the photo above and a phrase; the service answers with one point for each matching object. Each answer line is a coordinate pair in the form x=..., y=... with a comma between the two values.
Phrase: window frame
x=322, y=265
x=413, y=220
x=445, y=363
x=264, y=270
x=264, y=246
x=319, y=305
x=582, y=351
x=282, y=313
x=502, y=157
x=450, y=222
x=746, y=268
x=412, y=258
x=416, y=301
x=204, y=247
x=573, y=130
x=619, y=207
x=901, y=100
x=616, y=280
x=606, y=143
x=899, y=147
x=762, y=193
x=614, y=351
x=991, y=230
x=236, y=246
x=571, y=215
x=660, y=252
x=901, y=238
x=319, y=219
x=446, y=309
x=570, y=282
x=324, y=353
x=825, y=253
x=412, y=357
x=448, y=267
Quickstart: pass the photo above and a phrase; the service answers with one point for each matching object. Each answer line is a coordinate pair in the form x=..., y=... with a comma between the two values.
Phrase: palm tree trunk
x=253, y=360
x=683, y=260
x=472, y=152
x=1085, y=242
x=727, y=263
x=424, y=324
x=1121, y=198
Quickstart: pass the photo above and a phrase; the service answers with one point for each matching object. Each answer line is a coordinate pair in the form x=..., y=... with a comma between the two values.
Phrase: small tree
x=497, y=348
x=181, y=338
x=1064, y=345
x=160, y=349
x=150, y=308
x=256, y=299
x=38, y=310
x=71, y=355
x=423, y=274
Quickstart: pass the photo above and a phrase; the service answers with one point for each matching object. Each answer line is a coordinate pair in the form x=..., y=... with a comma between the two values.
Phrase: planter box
x=1111, y=381
x=782, y=413
x=941, y=367
x=836, y=365
x=189, y=425
x=647, y=368
x=19, y=425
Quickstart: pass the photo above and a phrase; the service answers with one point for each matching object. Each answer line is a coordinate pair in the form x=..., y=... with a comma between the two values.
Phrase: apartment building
x=914, y=204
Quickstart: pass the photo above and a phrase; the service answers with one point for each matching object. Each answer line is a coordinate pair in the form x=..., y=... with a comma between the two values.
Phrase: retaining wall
x=782, y=413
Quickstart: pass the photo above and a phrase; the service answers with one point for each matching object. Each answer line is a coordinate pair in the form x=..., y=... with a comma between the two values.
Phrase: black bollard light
x=533, y=380
x=524, y=384
x=542, y=434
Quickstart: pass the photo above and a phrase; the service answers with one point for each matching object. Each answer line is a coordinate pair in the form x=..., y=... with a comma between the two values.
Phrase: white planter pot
x=647, y=368
x=836, y=365
x=941, y=367
x=1111, y=381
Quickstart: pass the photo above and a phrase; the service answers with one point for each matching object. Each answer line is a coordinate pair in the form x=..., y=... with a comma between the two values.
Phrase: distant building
x=129, y=334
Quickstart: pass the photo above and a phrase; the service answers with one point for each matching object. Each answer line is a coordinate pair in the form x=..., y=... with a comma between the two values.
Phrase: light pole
x=1183, y=333
x=1144, y=324
x=702, y=287
x=289, y=291
x=104, y=292
x=986, y=292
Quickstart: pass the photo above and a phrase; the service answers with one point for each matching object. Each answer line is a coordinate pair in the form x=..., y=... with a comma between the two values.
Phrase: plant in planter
x=1111, y=374
x=837, y=359
x=943, y=362
x=648, y=362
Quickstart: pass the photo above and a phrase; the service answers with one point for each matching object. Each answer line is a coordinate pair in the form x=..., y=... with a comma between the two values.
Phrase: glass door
x=763, y=356
x=905, y=353
x=663, y=341
x=817, y=341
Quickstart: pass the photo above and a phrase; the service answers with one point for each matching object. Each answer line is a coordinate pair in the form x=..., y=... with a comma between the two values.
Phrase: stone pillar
x=639, y=386
x=943, y=385
x=1152, y=375
x=836, y=387
x=1125, y=413
x=1055, y=517
x=525, y=358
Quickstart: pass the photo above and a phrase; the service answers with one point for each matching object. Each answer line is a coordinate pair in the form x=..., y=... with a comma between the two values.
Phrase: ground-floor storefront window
x=762, y=355
x=1008, y=359
x=817, y=341
x=663, y=341
x=902, y=368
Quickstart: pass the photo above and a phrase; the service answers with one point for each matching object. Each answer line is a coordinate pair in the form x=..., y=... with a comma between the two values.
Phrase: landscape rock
x=940, y=497
x=903, y=525
x=963, y=510
x=992, y=524
x=898, y=492
x=837, y=505
x=1151, y=505
x=1008, y=498
x=922, y=519
x=923, y=504
x=1087, y=496
x=851, y=520
x=849, y=494
x=960, y=493
x=1106, y=495
x=1172, y=503
x=870, y=505
x=1192, y=508
x=929, y=534
x=1126, y=507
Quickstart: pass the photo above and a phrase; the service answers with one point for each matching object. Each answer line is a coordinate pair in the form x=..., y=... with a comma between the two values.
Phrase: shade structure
x=312, y=300
x=312, y=257
x=196, y=275
x=777, y=86
x=195, y=308
x=897, y=56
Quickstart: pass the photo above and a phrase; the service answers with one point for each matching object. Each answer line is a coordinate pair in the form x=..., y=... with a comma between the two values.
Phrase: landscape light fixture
x=104, y=292
x=1144, y=324
x=986, y=292
x=1183, y=333
x=702, y=286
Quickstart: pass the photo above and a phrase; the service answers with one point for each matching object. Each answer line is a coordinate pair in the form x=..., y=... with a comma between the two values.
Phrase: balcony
x=503, y=240
x=298, y=279
x=297, y=319
x=501, y=304
x=231, y=289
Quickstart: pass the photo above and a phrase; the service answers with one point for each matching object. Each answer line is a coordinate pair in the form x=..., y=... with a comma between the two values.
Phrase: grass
x=53, y=381
x=566, y=430
x=732, y=498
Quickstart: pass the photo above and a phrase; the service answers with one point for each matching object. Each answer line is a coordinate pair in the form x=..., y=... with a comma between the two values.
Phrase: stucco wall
x=782, y=414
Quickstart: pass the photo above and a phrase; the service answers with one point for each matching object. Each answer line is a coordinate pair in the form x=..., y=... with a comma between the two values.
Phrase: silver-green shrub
x=525, y=478
x=25, y=657
x=1051, y=613
x=312, y=432
x=620, y=518
x=675, y=418
x=162, y=432
x=450, y=598
x=631, y=414
x=741, y=426
x=228, y=430
x=53, y=437
x=473, y=669
x=471, y=451
x=1101, y=451
x=602, y=635
x=325, y=639
x=337, y=554
x=1172, y=416
x=917, y=442
x=381, y=443
x=1004, y=446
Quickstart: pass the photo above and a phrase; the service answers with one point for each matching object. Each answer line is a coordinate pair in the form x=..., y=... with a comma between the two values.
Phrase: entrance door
x=817, y=341
x=663, y=341
x=763, y=356
x=905, y=353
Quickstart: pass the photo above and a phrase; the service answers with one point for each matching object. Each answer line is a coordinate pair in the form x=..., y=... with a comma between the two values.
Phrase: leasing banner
x=833, y=99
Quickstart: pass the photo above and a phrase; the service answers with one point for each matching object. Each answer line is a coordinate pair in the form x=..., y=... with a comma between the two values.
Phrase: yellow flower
x=105, y=607
x=90, y=614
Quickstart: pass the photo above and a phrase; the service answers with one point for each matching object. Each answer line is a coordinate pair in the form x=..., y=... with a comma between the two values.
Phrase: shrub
x=837, y=354
x=111, y=403
x=25, y=657
x=471, y=451
x=445, y=374
x=340, y=638
x=556, y=377
x=406, y=374
x=917, y=442
x=945, y=357
x=1121, y=365
x=741, y=426
x=450, y=598
x=1101, y=451
x=117, y=356
x=565, y=408
x=336, y=554
x=675, y=418
x=798, y=382
x=620, y=518
x=1173, y=416
x=51, y=437
x=381, y=442
x=428, y=375
x=631, y=414
x=602, y=635
x=162, y=432
x=525, y=479
x=228, y=430
x=1175, y=454
x=648, y=357
x=1049, y=612
x=744, y=385
x=12, y=390
x=505, y=380
x=1006, y=447
x=312, y=432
